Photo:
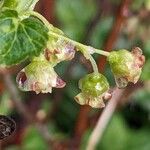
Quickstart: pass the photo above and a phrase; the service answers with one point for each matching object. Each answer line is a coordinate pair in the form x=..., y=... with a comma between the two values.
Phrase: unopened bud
x=126, y=66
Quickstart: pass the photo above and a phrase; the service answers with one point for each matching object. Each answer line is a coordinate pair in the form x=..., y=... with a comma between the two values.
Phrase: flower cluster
x=39, y=75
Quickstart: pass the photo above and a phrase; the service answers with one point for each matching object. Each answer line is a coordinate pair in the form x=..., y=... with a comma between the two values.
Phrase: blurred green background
x=89, y=22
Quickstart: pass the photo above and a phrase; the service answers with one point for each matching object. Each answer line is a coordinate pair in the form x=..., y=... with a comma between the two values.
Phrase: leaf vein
x=36, y=32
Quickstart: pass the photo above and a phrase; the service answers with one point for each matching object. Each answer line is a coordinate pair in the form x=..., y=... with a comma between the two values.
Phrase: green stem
x=93, y=63
x=79, y=45
x=83, y=48
x=101, y=52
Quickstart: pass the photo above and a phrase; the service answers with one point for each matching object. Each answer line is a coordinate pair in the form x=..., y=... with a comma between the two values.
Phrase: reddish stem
x=46, y=8
x=121, y=17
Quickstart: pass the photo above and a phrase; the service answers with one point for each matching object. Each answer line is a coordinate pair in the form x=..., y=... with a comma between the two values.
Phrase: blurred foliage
x=74, y=16
x=5, y=103
x=33, y=140
x=119, y=136
x=101, y=31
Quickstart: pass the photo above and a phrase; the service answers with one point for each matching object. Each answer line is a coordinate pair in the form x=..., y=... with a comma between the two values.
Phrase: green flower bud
x=94, y=84
x=126, y=66
x=94, y=89
x=39, y=76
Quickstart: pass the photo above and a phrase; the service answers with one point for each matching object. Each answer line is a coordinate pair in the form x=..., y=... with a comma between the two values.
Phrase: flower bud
x=126, y=66
x=94, y=89
x=39, y=76
x=60, y=50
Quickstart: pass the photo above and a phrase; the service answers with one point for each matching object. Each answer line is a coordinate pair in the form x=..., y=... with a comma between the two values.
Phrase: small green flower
x=94, y=89
x=126, y=66
x=59, y=50
x=39, y=76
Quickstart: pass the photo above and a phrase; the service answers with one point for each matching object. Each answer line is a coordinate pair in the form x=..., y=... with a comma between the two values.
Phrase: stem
x=121, y=17
x=104, y=120
x=80, y=46
x=120, y=97
x=93, y=63
x=83, y=48
x=104, y=53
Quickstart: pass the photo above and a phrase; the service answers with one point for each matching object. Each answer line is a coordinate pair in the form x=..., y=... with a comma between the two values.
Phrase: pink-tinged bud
x=60, y=50
x=94, y=90
x=39, y=76
x=126, y=66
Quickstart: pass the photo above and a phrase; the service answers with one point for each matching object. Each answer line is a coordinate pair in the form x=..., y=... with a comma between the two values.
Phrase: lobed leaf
x=20, y=39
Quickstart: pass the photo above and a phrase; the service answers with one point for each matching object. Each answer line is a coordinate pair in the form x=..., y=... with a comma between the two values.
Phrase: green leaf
x=20, y=5
x=20, y=39
x=10, y=4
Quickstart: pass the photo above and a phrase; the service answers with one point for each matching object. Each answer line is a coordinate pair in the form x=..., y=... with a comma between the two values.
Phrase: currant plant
x=26, y=34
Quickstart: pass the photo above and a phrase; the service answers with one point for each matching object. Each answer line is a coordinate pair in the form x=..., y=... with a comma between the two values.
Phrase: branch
x=121, y=17
x=47, y=9
x=119, y=94
x=103, y=120
x=0, y=145
x=16, y=97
